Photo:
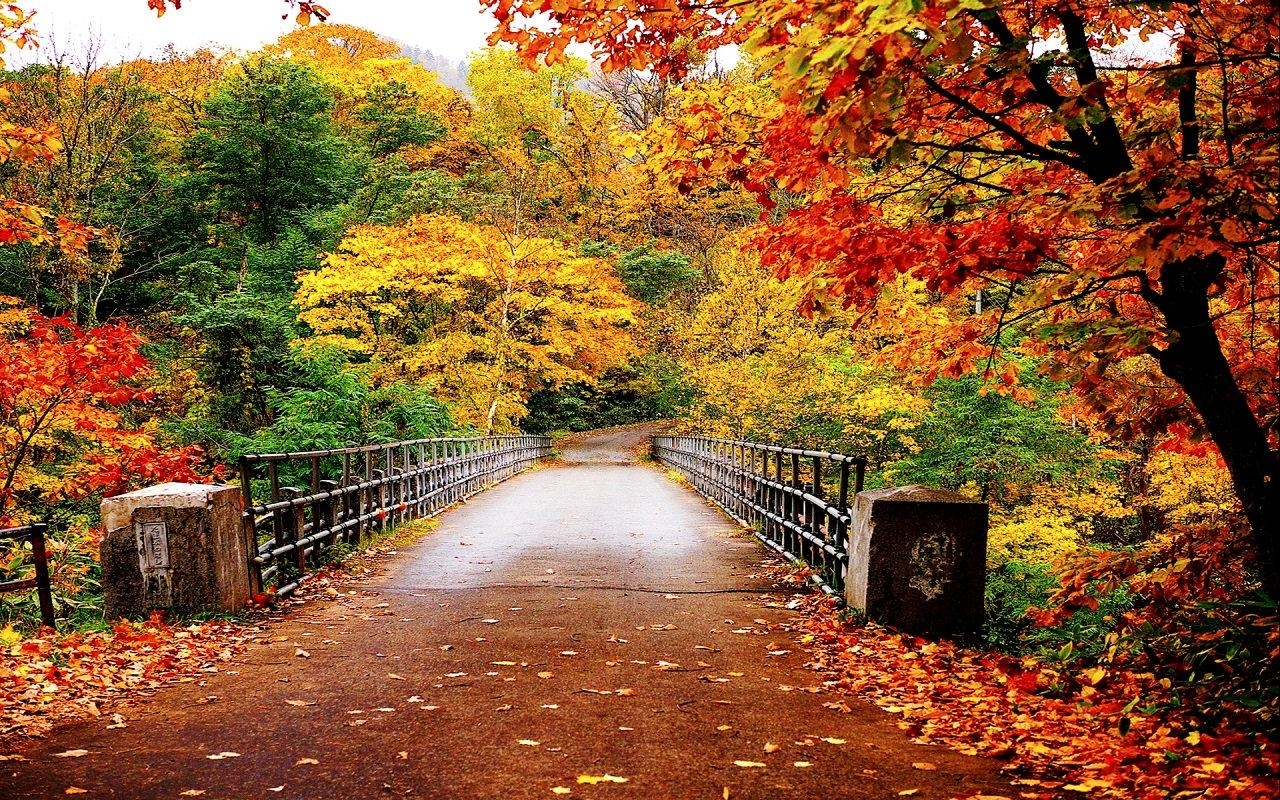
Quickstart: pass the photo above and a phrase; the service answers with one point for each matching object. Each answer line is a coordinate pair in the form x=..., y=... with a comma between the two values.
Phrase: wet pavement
x=589, y=618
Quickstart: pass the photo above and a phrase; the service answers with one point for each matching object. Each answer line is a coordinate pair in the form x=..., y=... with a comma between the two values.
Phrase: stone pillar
x=917, y=560
x=175, y=546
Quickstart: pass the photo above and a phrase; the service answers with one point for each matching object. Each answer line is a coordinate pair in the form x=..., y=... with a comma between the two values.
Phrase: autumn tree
x=64, y=435
x=484, y=318
x=182, y=83
x=548, y=160
x=102, y=177
x=1109, y=169
x=761, y=371
x=359, y=66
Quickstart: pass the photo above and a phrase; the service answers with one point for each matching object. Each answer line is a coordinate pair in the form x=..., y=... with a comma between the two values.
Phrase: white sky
x=127, y=28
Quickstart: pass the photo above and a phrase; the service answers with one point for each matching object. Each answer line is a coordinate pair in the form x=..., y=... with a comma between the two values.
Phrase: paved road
x=587, y=618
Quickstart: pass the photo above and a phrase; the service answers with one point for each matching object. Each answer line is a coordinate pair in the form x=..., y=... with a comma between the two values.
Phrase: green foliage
x=393, y=121
x=266, y=149
x=246, y=337
x=991, y=441
x=332, y=406
x=1220, y=652
x=1013, y=587
x=650, y=274
x=646, y=389
x=75, y=575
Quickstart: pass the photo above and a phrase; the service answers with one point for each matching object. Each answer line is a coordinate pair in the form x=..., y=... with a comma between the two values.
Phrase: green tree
x=988, y=440
x=654, y=275
x=267, y=150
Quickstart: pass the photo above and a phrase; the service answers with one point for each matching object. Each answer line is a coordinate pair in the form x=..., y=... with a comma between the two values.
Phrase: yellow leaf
x=832, y=740
x=76, y=790
x=561, y=790
x=594, y=779
x=747, y=764
x=301, y=761
x=770, y=747
x=528, y=742
x=803, y=764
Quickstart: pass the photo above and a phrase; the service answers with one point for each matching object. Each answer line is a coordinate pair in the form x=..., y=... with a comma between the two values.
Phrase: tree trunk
x=1194, y=359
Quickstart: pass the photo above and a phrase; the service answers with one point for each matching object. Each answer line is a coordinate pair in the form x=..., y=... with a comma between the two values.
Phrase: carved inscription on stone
x=153, y=545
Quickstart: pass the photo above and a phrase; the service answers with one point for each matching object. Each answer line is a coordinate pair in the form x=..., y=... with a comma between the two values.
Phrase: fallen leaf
x=770, y=747
x=75, y=790
x=748, y=764
x=545, y=675
x=803, y=764
x=403, y=755
x=906, y=792
x=279, y=788
x=928, y=766
x=568, y=652
x=302, y=761
x=503, y=663
x=724, y=727
x=489, y=621
x=395, y=677
x=300, y=653
x=625, y=692
x=832, y=740
x=300, y=702
x=528, y=742
x=561, y=790
x=594, y=779
x=72, y=753
x=191, y=792
x=222, y=755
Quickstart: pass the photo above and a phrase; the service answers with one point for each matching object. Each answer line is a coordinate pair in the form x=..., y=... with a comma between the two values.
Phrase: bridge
x=589, y=620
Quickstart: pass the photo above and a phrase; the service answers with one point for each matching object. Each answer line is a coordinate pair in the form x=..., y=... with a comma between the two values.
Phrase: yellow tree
x=105, y=144
x=763, y=371
x=549, y=157
x=182, y=82
x=359, y=65
x=482, y=317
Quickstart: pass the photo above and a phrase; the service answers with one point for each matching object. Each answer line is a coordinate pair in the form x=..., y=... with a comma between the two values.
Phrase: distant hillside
x=452, y=73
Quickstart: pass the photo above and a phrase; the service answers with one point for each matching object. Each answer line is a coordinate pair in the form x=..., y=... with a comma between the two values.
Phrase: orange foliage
x=62, y=435
x=1106, y=172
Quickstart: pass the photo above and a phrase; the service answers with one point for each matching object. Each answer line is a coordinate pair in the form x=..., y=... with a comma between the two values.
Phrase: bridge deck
x=588, y=618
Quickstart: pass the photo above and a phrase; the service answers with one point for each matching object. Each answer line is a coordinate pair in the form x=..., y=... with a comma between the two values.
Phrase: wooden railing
x=33, y=535
x=796, y=501
x=354, y=490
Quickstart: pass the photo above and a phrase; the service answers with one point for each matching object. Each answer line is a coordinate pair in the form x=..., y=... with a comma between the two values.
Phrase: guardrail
x=35, y=536
x=796, y=501
x=352, y=490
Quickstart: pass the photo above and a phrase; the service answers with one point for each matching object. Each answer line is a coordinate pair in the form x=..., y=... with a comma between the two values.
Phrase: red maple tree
x=1106, y=172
